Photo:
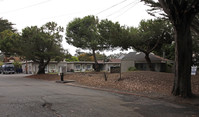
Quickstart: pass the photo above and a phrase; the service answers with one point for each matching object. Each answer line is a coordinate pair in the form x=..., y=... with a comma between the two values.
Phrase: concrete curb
x=66, y=81
x=171, y=99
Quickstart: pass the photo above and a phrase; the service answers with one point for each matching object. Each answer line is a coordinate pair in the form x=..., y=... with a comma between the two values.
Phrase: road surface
x=23, y=97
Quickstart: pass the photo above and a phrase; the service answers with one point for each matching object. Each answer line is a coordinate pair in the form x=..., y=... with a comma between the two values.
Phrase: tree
x=85, y=57
x=6, y=25
x=70, y=58
x=42, y=44
x=167, y=51
x=148, y=36
x=181, y=14
x=84, y=33
x=78, y=52
x=8, y=42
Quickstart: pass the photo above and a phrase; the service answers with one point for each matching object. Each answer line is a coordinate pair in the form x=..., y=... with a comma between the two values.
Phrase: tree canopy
x=181, y=13
x=42, y=44
x=6, y=36
x=6, y=25
x=149, y=35
x=145, y=38
x=8, y=42
x=84, y=33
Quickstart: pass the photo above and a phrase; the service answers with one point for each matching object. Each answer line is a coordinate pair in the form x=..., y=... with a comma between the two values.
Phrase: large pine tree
x=181, y=14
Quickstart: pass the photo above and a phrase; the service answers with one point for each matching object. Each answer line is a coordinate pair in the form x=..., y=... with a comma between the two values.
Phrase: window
x=88, y=66
x=52, y=66
x=77, y=67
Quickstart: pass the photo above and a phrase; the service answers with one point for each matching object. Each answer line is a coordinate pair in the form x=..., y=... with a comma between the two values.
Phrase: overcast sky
x=25, y=13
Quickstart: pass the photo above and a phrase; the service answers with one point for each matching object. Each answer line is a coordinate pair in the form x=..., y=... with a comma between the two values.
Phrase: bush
x=132, y=69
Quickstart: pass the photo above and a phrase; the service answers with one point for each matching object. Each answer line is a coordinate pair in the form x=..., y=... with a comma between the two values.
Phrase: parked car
x=8, y=69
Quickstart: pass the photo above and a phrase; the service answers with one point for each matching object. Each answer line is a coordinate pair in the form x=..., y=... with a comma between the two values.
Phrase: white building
x=53, y=67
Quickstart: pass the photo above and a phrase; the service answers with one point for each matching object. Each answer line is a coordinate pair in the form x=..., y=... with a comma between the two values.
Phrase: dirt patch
x=138, y=81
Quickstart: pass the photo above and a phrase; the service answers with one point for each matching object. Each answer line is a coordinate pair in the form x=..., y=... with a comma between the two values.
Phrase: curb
x=163, y=97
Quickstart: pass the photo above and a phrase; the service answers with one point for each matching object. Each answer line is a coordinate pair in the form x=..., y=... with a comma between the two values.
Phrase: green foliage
x=85, y=34
x=42, y=44
x=89, y=57
x=6, y=25
x=6, y=37
x=8, y=42
x=114, y=34
x=150, y=34
x=181, y=13
x=17, y=65
x=101, y=56
x=168, y=49
x=72, y=58
x=1, y=63
x=132, y=69
x=85, y=57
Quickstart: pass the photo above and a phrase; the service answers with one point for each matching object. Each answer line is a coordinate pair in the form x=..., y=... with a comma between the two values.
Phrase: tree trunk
x=148, y=60
x=42, y=66
x=183, y=59
x=96, y=66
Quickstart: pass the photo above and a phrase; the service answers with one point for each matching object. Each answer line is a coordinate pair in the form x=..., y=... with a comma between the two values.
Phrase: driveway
x=23, y=97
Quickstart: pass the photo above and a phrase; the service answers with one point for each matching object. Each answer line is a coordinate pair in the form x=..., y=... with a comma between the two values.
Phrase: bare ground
x=138, y=81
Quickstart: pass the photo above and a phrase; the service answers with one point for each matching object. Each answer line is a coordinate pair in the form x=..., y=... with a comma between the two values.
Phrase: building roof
x=8, y=59
x=115, y=60
x=140, y=57
x=92, y=62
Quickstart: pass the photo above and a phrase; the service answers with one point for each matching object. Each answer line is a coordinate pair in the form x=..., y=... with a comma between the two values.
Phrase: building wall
x=107, y=66
x=32, y=68
x=125, y=64
x=83, y=67
x=79, y=67
x=159, y=67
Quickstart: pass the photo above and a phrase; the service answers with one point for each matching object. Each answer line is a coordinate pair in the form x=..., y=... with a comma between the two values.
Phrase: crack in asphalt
x=48, y=105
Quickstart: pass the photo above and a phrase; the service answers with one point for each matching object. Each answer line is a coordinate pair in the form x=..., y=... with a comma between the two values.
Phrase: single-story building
x=53, y=67
x=77, y=66
x=137, y=60
x=82, y=66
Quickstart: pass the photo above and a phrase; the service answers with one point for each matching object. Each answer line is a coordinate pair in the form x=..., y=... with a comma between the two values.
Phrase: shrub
x=132, y=69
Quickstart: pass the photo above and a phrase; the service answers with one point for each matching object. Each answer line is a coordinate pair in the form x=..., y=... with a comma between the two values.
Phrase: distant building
x=82, y=66
x=11, y=59
x=53, y=67
x=137, y=60
x=77, y=66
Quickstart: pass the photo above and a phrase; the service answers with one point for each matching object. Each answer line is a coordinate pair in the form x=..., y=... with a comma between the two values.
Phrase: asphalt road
x=23, y=97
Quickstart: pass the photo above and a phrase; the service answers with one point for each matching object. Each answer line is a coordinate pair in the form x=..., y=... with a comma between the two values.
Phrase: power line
x=121, y=9
x=111, y=7
x=36, y=4
x=127, y=10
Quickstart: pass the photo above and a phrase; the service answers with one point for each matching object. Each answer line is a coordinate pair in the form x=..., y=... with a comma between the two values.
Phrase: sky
x=25, y=13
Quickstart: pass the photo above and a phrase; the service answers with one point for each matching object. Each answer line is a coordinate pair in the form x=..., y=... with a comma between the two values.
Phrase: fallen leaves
x=139, y=81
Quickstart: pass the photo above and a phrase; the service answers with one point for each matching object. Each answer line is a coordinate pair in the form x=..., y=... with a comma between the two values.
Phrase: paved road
x=23, y=97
